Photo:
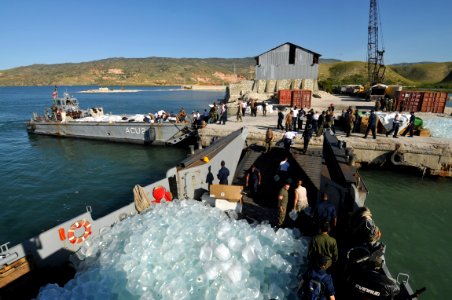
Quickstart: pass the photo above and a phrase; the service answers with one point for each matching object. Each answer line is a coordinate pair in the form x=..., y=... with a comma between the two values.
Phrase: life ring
x=397, y=158
x=71, y=232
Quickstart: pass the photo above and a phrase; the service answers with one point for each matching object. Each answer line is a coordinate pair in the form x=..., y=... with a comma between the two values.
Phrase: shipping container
x=424, y=101
x=285, y=97
x=301, y=98
x=408, y=100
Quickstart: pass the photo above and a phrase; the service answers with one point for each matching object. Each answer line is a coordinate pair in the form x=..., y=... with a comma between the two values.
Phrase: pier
x=432, y=156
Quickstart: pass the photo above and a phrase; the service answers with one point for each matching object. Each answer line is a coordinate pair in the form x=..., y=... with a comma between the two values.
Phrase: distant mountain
x=210, y=71
x=409, y=64
x=329, y=60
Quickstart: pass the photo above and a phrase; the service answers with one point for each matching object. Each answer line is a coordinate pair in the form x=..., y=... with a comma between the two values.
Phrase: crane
x=375, y=65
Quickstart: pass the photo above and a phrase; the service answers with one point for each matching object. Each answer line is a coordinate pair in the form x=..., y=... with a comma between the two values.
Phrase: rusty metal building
x=287, y=61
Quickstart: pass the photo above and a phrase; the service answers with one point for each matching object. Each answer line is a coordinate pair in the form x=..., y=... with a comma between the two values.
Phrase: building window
x=292, y=55
x=315, y=59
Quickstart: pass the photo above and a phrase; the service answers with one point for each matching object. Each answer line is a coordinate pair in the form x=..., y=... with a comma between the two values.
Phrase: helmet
x=205, y=159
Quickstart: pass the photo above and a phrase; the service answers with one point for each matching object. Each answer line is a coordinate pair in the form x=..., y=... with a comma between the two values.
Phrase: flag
x=55, y=93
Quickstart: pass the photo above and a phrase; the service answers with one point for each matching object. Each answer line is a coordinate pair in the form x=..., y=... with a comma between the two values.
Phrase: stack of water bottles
x=186, y=250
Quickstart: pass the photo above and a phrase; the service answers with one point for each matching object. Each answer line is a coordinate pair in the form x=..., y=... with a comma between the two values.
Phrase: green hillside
x=133, y=71
x=179, y=71
x=425, y=73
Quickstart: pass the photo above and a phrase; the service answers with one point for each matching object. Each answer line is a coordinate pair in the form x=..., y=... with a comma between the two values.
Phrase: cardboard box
x=232, y=193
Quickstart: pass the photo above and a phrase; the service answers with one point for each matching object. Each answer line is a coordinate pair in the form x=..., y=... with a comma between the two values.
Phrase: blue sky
x=48, y=32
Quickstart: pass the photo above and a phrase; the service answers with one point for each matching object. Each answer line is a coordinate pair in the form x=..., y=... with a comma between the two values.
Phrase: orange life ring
x=71, y=232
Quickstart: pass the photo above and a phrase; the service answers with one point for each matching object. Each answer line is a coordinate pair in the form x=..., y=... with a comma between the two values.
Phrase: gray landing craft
x=45, y=258
x=66, y=119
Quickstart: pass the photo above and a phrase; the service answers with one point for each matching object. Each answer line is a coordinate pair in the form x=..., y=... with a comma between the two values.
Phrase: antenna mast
x=375, y=65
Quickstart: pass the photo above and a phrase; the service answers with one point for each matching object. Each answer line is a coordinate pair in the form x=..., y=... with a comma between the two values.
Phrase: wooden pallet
x=13, y=271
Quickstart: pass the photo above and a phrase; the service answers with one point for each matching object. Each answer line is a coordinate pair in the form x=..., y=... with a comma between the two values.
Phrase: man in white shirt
x=288, y=138
x=294, y=118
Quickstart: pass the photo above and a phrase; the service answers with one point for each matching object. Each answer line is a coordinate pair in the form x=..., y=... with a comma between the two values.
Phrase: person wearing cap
x=372, y=125
x=283, y=199
x=223, y=174
x=410, y=126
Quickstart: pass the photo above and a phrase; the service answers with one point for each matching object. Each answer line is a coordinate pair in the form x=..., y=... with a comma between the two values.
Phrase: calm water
x=414, y=216
x=45, y=180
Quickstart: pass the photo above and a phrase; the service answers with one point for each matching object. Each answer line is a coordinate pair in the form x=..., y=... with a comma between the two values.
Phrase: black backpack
x=313, y=287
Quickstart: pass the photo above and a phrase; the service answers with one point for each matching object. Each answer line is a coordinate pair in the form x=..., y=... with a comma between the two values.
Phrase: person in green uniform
x=283, y=199
x=323, y=245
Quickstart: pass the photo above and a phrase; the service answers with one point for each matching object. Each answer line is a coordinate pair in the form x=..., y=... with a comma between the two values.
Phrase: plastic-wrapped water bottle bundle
x=439, y=127
x=186, y=250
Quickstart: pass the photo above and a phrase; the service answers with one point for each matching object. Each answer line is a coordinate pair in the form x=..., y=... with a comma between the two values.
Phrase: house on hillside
x=287, y=61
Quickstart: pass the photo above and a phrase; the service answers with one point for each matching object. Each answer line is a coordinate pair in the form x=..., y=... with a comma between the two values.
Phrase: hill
x=209, y=71
x=133, y=71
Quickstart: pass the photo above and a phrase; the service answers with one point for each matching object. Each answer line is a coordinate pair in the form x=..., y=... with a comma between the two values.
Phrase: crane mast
x=375, y=65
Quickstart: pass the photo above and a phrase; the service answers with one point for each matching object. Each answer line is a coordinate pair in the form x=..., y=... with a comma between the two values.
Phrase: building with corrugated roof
x=287, y=61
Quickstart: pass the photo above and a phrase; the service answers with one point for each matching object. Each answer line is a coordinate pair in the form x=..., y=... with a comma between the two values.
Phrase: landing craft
x=66, y=119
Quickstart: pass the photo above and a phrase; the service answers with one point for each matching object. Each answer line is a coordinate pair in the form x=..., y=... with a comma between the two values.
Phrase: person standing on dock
x=289, y=121
x=410, y=126
x=268, y=139
x=349, y=121
x=264, y=108
x=283, y=199
x=301, y=114
x=307, y=135
x=395, y=126
x=372, y=125
x=280, y=119
x=224, y=114
x=239, y=112
x=244, y=105
x=294, y=118
x=223, y=174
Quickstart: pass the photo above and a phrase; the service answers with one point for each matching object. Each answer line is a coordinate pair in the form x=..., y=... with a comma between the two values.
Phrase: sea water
x=47, y=180
x=413, y=214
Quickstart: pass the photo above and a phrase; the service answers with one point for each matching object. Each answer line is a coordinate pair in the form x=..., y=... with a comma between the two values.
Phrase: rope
x=140, y=199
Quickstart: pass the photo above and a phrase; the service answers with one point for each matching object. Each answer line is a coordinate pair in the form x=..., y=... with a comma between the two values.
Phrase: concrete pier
x=430, y=155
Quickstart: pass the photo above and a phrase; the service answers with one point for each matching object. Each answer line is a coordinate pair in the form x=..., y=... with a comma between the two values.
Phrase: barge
x=66, y=119
x=324, y=171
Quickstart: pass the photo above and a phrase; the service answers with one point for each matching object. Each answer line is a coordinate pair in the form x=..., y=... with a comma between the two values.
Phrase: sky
x=51, y=32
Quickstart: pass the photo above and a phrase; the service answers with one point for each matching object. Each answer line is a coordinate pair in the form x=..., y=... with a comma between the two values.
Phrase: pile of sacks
x=186, y=250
